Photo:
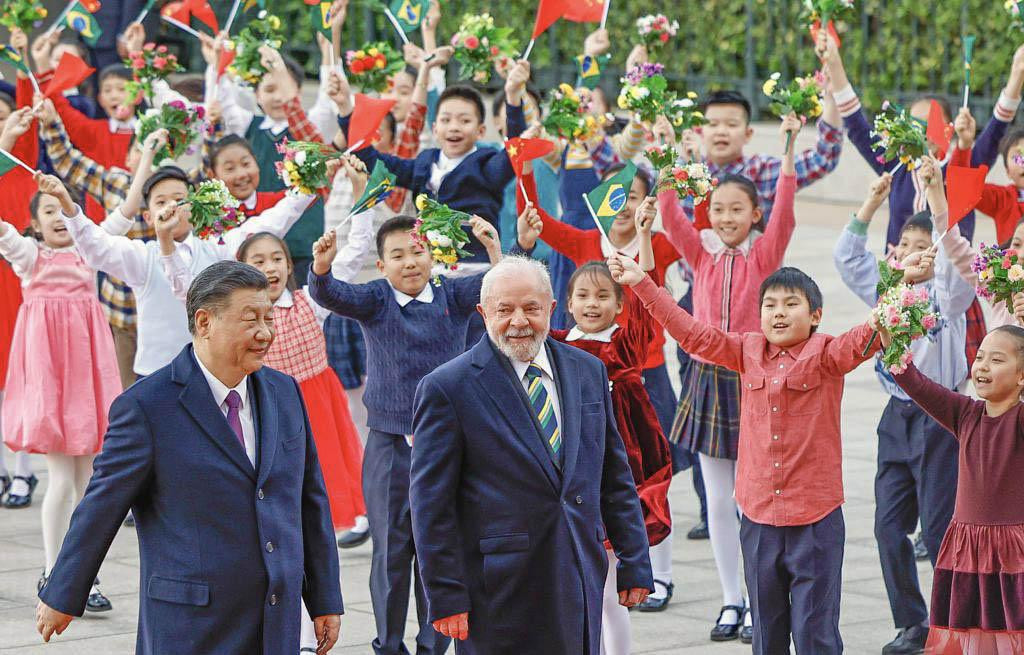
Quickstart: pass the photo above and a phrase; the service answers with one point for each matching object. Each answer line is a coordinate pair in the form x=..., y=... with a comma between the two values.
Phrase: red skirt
x=337, y=445
x=978, y=591
x=10, y=300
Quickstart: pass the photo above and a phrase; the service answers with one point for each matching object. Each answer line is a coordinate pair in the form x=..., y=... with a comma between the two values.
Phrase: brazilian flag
x=79, y=19
x=606, y=201
x=320, y=17
x=410, y=13
x=589, y=70
x=378, y=188
x=11, y=56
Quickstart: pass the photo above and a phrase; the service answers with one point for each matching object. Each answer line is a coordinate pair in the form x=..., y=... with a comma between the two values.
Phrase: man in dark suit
x=215, y=458
x=518, y=476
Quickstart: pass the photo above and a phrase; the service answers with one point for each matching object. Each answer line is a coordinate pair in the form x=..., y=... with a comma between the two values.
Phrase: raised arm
x=849, y=350
x=986, y=150
x=857, y=267
x=358, y=301
x=856, y=123
x=277, y=220
x=20, y=251
x=953, y=293
x=562, y=237
x=118, y=256
x=945, y=406
x=679, y=229
x=769, y=250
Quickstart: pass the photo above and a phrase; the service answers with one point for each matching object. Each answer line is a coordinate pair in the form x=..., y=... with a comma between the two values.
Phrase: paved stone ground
x=866, y=622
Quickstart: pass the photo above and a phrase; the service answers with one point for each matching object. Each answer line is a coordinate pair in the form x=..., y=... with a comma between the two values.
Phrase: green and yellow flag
x=11, y=56
x=378, y=188
x=410, y=13
x=320, y=17
x=606, y=201
x=79, y=19
x=589, y=70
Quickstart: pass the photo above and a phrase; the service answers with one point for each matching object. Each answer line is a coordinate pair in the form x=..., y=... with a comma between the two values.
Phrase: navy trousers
x=793, y=576
x=392, y=567
x=916, y=478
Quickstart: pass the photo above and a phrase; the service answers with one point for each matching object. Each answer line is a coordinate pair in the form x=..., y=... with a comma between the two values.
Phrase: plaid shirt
x=299, y=349
x=763, y=170
x=109, y=186
x=408, y=147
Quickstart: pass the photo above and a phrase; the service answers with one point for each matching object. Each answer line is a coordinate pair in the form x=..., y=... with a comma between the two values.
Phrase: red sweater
x=18, y=187
x=582, y=246
x=1002, y=203
x=264, y=201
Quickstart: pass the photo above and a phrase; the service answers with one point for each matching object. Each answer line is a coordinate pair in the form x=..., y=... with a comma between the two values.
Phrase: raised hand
x=597, y=43
x=413, y=54
x=645, y=215
x=51, y=185
x=324, y=251
x=46, y=112
x=930, y=171
x=356, y=172
x=515, y=84
x=528, y=227
x=133, y=38
x=18, y=123
x=691, y=143
x=42, y=48
x=339, y=91
x=155, y=140
x=625, y=271
x=1018, y=307
x=879, y=189
x=440, y=56
x=920, y=262
x=791, y=124
x=663, y=131
x=19, y=40
x=485, y=233
x=966, y=129
x=456, y=627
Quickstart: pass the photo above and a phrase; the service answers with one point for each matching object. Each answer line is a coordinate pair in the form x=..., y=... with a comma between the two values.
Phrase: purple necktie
x=234, y=400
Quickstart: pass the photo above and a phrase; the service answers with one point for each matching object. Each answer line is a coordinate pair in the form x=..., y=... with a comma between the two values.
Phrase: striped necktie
x=543, y=408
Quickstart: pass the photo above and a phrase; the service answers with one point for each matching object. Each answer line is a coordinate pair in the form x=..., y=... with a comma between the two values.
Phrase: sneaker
x=909, y=641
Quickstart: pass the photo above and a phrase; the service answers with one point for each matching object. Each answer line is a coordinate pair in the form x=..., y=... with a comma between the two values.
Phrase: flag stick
x=967, y=93
x=180, y=25
x=18, y=161
x=60, y=17
x=593, y=214
x=398, y=27
x=529, y=49
x=231, y=16
x=898, y=167
x=142, y=14
x=355, y=146
x=33, y=80
x=522, y=187
x=604, y=14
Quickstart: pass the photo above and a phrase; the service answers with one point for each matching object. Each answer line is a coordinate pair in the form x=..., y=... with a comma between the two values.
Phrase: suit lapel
x=498, y=384
x=197, y=400
x=568, y=382
x=263, y=391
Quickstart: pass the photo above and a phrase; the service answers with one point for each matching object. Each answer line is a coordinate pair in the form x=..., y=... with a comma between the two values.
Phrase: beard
x=523, y=352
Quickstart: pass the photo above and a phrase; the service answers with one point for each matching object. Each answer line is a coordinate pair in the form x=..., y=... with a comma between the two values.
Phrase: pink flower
x=161, y=49
x=472, y=42
x=906, y=358
x=922, y=295
x=176, y=104
x=880, y=159
x=896, y=369
x=159, y=63
x=495, y=51
x=663, y=36
x=149, y=47
x=138, y=63
x=1006, y=263
x=908, y=298
x=928, y=321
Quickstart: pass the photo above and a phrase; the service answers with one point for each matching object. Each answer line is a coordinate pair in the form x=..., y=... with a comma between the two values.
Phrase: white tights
x=724, y=528
x=616, y=634
x=68, y=477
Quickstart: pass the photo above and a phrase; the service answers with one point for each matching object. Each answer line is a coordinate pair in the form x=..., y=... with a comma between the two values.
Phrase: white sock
x=616, y=632
x=361, y=526
x=661, y=563
x=724, y=529
x=19, y=487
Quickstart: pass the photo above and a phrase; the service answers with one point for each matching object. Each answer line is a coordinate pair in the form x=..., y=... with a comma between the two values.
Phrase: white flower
x=695, y=169
x=685, y=102
x=1015, y=274
x=776, y=76
x=300, y=158
x=443, y=241
x=433, y=236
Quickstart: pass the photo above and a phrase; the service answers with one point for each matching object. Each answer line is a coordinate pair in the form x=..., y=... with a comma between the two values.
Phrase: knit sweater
x=403, y=344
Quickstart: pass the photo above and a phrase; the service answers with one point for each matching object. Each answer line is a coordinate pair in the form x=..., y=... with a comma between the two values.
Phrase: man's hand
x=528, y=227
x=50, y=621
x=597, y=43
x=324, y=251
x=327, y=629
x=966, y=129
x=634, y=596
x=456, y=627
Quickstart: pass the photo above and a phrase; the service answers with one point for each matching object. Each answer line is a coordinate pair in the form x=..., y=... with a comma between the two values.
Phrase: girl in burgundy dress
x=977, y=603
x=595, y=302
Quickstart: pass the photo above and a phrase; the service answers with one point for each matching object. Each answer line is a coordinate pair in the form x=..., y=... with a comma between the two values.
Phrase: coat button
x=579, y=500
x=259, y=494
x=270, y=546
x=273, y=599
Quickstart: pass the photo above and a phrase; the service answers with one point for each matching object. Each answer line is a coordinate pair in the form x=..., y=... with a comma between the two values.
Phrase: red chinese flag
x=521, y=151
x=92, y=6
x=816, y=27
x=585, y=11
x=178, y=10
x=70, y=72
x=226, y=57
x=963, y=190
x=366, y=119
x=548, y=11
x=938, y=129
x=203, y=12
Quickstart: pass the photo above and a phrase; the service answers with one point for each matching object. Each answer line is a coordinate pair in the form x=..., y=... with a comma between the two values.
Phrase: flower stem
x=789, y=141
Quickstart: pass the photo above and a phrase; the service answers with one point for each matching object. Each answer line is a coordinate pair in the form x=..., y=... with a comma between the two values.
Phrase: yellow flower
x=437, y=252
x=360, y=54
x=565, y=88
x=42, y=12
x=373, y=52
x=378, y=64
x=691, y=95
x=984, y=274
x=623, y=102
x=769, y=87
x=698, y=115
x=421, y=201
x=274, y=22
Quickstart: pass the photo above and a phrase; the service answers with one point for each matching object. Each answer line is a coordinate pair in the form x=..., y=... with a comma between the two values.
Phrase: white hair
x=515, y=266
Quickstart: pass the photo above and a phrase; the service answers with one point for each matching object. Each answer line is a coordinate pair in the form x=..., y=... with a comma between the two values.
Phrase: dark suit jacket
x=227, y=552
x=504, y=533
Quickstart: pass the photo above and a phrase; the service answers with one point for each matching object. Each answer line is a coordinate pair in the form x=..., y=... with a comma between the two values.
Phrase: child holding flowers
x=917, y=461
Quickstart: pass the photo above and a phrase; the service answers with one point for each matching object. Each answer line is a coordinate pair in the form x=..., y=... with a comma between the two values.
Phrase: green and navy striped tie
x=543, y=408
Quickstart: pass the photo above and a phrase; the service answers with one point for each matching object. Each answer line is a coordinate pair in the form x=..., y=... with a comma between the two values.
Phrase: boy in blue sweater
x=458, y=173
x=411, y=326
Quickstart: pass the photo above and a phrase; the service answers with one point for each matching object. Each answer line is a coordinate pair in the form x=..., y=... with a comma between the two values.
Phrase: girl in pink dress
x=62, y=375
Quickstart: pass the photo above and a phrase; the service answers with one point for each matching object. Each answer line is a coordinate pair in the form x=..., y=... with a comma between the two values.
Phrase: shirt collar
x=426, y=296
x=446, y=163
x=631, y=249
x=540, y=360
x=604, y=335
x=793, y=351
x=220, y=391
x=250, y=202
x=285, y=300
x=275, y=127
x=121, y=126
x=715, y=247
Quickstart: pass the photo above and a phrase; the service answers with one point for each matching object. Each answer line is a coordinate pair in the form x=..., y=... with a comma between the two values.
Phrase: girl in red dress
x=595, y=302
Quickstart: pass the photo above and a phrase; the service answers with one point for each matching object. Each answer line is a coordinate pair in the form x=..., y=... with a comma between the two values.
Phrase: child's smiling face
x=595, y=301
x=458, y=126
x=1015, y=169
x=997, y=369
x=726, y=132
x=732, y=214
x=113, y=97
x=48, y=220
x=237, y=167
x=405, y=263
x=786, y=317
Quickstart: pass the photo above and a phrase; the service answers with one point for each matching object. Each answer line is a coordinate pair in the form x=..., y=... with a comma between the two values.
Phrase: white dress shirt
x=547, y=378
x=444, y=165
x=220, y=394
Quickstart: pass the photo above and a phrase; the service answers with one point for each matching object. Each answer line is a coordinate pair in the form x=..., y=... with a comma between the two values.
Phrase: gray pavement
x=683, y=628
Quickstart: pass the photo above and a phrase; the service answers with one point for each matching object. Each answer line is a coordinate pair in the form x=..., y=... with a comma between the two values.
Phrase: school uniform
x=917, y=457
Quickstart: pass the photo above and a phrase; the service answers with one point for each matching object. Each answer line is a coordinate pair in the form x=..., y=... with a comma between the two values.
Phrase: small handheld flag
x=816, y=27
x=231, y=15
x=938, y=129
x=397, y=25
x=588, y=70
x=607, y=200
x=79, y=19
x=548, y=11
x=320, y=18
x=586, y=11
x=522, y=150
x=968, y=57
x=9, y=162
x=11, y=56
x=964, y=187
x=378, y=188
x=146, y=8
x=366, y=119
x=409, y=13
x=70, y=72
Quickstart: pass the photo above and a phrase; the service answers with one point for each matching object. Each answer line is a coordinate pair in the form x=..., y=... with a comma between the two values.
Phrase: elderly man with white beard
x=518, y=477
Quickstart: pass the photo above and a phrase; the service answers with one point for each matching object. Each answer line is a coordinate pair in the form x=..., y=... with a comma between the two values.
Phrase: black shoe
x=910, y=641
x=41, y=582
x=699, y=531
x=14, y=501
x=728, y=631
x=920, y=550
x=353, y=539
x=129, y=521
x=747, y=631
x=5, y=486
x=657, y=604
x=97, y=602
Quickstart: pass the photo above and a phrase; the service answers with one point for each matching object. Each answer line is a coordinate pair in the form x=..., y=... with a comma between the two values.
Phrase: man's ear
x=202, y=322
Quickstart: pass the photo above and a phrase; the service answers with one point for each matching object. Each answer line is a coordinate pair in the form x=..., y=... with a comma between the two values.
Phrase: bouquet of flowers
x=569, y=117
x=304, y=167
x=148, y=65
x=1000, y=273
x=688, y=180
x=214, y=210
x=825, y=10
x=479, y=45
x=181, y=122
x=645, y=92
x=22, y=14
x=900, y=136
x=656, y=29
x=684, y=114
x=440, y=231
x=1016, y=18
x=802, y=97
x=905, y=312
x=661, y=155
x=248, y=65
x=371, y=65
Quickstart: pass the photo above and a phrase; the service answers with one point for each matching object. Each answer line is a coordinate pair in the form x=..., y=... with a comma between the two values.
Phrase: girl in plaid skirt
x=729, y=262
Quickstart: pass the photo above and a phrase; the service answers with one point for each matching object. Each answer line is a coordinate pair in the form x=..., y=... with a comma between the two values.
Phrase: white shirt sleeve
x=277, y=220
x=324, y=113
x=20, y=251
x=119, y=256
x=116, y=223
x=163, y=94
x=177, y=274
x=235, y=117
x=349, y=260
